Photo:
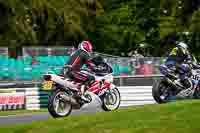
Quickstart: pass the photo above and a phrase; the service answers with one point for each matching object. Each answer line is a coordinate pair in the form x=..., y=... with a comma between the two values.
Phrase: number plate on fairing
x=47, y=85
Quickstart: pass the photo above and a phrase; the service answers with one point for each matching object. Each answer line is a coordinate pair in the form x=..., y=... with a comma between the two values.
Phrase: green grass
x=17, y=112
x=7, y=91
x=180, y=117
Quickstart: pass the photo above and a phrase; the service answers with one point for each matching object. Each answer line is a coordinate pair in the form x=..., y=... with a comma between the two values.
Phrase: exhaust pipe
x=70, y=99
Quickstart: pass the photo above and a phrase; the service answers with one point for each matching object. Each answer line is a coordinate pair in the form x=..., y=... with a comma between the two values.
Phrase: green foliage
x=44, y=21
x=114, y=26
x=125, y=24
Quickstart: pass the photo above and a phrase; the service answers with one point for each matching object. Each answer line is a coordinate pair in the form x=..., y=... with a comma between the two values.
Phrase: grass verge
x=180, y=117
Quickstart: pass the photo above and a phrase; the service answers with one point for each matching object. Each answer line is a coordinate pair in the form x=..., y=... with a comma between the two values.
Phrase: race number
x=47, y=85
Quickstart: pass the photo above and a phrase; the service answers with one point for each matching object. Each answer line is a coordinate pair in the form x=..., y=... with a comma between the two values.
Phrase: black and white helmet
x=182, y=45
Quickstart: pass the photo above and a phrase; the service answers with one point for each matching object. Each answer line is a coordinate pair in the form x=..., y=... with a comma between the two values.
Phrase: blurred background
x=134, y=36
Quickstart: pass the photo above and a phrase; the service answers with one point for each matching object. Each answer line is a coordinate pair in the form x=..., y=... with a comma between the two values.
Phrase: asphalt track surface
x=26, y=118
x=92, y=108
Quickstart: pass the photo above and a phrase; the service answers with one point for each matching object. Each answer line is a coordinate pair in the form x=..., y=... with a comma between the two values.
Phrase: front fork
x=103, y=92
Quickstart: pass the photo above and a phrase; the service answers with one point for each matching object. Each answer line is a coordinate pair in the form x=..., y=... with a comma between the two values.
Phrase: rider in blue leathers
x=179, y=61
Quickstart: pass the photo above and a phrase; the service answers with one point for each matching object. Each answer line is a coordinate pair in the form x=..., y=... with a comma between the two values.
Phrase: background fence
x=40, y=60
x=4, y=51
x=34, y=98
x=135, y=91
x=28, y=69
x=130, y=96
x=136, y=95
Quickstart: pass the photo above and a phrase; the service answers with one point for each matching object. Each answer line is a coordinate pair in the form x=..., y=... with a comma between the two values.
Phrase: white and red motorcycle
x=65, y=96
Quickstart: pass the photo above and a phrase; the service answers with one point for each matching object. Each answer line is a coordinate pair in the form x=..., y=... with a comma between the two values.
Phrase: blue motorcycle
x=184, y=84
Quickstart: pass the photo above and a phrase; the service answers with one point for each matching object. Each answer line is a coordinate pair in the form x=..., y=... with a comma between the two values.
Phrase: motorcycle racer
x=178, y=59
x=77, y=59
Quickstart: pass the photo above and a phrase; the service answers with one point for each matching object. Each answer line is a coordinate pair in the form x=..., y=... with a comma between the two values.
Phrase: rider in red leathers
x=77, y=59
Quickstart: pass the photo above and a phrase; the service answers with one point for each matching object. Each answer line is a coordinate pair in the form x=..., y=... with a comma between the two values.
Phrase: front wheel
x=111, y=100
x=58, y=106
x=160, y=92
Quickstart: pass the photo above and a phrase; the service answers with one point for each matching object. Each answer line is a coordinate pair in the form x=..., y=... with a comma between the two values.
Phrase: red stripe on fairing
x=106, y=85
x=94, y=86
x=95, y=89
x=95, y=83
x=76, y=61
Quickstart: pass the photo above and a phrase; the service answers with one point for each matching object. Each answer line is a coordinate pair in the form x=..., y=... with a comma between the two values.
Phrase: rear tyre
x=57, y=106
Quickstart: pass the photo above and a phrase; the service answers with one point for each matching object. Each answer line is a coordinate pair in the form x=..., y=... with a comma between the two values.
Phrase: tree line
x=114, y=26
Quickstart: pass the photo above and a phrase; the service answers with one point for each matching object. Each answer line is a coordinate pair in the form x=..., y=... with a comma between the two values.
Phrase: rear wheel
x=57, y=106
x=111, y=100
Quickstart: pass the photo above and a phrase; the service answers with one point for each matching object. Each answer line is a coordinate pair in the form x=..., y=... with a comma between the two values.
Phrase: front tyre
x=160, y=92
x=57, y=106
x=111, y=100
